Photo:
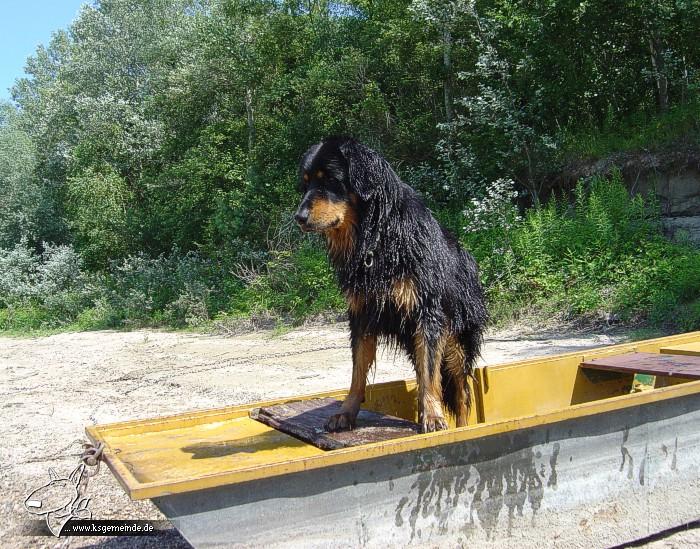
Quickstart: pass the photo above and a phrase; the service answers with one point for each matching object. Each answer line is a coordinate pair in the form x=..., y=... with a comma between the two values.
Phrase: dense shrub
x=42, y=290
x=642, y=131
x=99, y=206
x=293, y=283
x=602, y=256
x=47, y=277
x=52, y=289
x=17, y=274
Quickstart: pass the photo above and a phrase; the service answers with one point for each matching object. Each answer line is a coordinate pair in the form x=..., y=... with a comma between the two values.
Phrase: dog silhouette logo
x=61, y=499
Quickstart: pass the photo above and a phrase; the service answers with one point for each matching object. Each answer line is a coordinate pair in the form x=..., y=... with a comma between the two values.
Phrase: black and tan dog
x=406, y=279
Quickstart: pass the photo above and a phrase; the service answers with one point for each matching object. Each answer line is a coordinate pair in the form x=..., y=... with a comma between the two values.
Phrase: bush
x=99, y=205
x=601, y=257
x=642, y=131
x=18, y=271
x=24, y=318
x=42, y=290
x=294, y=282
x=176, y=289
x=51, y=289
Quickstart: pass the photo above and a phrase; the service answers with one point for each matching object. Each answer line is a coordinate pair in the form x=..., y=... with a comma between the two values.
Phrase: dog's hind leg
x=428, y=351
x=364, y=352
x=454, y=370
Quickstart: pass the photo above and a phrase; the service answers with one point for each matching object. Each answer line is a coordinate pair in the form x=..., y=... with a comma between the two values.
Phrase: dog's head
x=333, y=178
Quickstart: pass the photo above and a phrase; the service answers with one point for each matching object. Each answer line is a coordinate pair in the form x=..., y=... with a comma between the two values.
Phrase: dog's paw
x=434, y=423
x=340, y=422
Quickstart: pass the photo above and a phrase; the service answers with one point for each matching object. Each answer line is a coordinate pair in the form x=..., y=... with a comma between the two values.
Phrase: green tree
x=27, y=211
x=99, y=205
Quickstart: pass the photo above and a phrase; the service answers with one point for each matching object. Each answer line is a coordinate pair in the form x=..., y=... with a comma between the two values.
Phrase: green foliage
x=27, y=209
x=601, y=257
x=99, y=204
x=293, y=283
x=52, y=289
x=175, y=289
x=202, y=108
x=641, y=131
x=42, y=290
x=160, y=140
x=23, y=318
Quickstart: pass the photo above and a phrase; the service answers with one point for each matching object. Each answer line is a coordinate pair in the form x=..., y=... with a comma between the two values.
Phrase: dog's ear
x=364, y=168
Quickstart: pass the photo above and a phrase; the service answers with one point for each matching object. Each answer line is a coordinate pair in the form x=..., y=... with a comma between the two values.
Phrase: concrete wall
x=679, y=196
x=674, y=177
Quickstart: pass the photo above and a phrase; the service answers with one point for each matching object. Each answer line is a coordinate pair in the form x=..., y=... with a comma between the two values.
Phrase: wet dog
x=406, y=279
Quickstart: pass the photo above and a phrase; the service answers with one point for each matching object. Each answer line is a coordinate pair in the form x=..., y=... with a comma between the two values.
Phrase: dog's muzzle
x=302, y=218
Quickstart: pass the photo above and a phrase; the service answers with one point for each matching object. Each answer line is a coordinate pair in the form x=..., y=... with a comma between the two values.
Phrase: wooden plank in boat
x=305, y=419
x=692, y=349
x=648, y=363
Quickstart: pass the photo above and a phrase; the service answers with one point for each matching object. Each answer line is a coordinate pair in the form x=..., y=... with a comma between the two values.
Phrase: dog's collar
x=368, y=260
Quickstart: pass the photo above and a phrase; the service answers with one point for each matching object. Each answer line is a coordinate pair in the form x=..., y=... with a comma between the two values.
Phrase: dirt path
x=51, y=387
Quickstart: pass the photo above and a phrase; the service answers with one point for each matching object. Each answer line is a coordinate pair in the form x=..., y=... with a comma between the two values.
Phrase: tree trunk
x=447, y=63
x=250, y=118
x=250, y=115
x=686, y=87
x=657, y=62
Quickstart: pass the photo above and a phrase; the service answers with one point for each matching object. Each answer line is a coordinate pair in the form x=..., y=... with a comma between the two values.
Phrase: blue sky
x=23, y=26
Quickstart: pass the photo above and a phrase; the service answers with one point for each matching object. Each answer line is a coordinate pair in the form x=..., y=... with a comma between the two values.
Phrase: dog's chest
x=389, y=310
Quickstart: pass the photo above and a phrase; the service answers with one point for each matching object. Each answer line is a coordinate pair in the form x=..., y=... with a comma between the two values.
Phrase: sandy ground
x=52, y=387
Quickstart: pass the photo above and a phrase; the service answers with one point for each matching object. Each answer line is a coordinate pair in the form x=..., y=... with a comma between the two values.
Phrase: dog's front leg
x=428, y=353
x=364, y=352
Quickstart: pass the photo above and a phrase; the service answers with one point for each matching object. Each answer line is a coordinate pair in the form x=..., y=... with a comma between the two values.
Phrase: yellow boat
x=559, y=451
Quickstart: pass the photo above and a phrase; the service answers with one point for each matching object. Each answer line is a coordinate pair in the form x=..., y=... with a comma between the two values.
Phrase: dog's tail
x=449, y=390
x=454, y=381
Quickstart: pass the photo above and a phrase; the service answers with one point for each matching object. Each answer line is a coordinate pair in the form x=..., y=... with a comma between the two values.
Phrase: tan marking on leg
x=430, y=413
x=454, y=362
x=405, y=294
x=363, y=356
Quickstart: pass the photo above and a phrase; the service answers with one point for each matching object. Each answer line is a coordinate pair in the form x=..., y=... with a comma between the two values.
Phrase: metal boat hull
x=592, y=481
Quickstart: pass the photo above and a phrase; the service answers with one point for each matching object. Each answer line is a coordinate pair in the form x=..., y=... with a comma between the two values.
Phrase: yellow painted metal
x=223, y=446
x=399, y=399
x=541, y=385
x=205, y=449
x=546, y=385
x=667, y=381
x=692, y=349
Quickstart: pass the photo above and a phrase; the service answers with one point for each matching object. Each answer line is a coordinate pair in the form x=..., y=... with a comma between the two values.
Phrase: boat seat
x=680, y=366
x=305, y=420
